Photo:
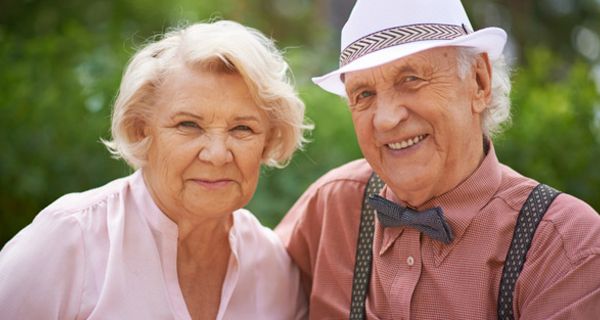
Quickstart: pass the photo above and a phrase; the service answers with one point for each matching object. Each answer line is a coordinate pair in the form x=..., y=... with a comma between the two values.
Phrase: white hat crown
x=380, y=31
x=371, y=16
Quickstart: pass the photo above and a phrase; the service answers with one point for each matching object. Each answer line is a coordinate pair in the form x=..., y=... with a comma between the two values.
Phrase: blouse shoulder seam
x=57, y=208
x=85, y=267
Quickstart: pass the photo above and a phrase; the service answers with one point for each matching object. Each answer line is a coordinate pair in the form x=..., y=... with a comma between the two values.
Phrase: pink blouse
x=110, y=253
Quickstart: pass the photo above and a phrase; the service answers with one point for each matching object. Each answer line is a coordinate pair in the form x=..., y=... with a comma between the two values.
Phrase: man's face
x=418, y=122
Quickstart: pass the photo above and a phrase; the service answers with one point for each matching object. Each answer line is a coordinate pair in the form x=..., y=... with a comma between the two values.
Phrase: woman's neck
x=203, y=253
x=201, y=237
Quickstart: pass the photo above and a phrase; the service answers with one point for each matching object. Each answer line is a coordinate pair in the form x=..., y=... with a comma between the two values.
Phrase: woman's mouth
x=212, y=184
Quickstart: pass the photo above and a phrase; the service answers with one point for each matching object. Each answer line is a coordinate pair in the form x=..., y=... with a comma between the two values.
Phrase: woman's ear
x=483, y=80
x=268, y=143
x=140, y=130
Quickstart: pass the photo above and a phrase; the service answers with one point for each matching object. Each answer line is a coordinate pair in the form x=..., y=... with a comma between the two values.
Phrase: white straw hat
x=381, y=31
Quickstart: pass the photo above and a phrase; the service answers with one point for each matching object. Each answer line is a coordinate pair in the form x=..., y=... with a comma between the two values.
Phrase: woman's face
x=208, y=138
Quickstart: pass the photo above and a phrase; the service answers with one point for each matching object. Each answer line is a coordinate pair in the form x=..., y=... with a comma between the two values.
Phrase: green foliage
x=555, y=136
x=61, y=65
x=55, y=94
x=333, y=143
x=62, y=61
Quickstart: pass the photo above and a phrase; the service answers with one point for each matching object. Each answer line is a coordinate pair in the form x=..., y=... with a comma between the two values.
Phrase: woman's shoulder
x=250, y=230
x=61, y=225
x=255, y=243
x=59, y=252
x=265, y=272
x=76, y=202
x=49, y=255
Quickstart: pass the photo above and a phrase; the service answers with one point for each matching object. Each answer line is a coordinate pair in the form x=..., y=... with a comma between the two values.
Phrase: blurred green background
x=61, y=63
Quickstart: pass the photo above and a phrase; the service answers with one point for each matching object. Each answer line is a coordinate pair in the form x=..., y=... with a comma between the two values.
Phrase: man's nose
x=215, y=150
x=390, y=111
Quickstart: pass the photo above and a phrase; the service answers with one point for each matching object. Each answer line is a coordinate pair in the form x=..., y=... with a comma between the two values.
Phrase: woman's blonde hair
x=230, y=46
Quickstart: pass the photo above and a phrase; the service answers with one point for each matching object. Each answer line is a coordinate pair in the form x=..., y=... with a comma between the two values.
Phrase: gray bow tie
x=431, y=222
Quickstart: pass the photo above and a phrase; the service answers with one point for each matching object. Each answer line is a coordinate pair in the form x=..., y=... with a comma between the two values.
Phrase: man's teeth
x=406, y=143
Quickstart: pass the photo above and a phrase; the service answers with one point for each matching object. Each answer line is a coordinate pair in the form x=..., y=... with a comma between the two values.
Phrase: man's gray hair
x=497, y=115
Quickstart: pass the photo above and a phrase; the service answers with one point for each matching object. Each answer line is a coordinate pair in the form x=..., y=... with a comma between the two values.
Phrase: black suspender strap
x=364, y=255
x=529, y=218
x=531, y=214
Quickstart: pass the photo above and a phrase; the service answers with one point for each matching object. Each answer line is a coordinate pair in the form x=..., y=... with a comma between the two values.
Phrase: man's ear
x=483, y=80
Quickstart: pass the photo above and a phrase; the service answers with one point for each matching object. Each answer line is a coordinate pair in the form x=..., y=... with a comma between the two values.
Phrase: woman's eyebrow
x=193, y=115
x=186, y=114
x=246, y=118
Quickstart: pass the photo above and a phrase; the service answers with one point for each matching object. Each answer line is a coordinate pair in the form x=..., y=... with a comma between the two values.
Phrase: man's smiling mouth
x=406, y=143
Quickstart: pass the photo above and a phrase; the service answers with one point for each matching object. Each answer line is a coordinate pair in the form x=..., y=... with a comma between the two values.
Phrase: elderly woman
x=197, y=114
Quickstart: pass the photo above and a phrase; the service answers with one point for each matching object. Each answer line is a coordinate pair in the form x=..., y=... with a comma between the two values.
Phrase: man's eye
x=360, y=100
x=364, y=94
x=188, y=124
x=411, y=78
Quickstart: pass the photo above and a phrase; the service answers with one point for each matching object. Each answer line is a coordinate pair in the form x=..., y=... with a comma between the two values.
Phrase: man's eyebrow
x=404, y=68
x=353, y=85
x=357, y=85
x=396, y=71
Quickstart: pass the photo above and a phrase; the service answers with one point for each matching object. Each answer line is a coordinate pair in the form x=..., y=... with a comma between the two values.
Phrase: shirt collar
x=460, y=205
x=162, y=223
x=148, y=208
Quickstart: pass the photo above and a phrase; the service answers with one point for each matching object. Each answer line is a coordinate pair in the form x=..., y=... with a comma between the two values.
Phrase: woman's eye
x=242, y=128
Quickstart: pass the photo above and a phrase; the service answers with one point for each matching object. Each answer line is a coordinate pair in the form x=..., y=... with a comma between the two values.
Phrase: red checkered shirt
x=414, y=277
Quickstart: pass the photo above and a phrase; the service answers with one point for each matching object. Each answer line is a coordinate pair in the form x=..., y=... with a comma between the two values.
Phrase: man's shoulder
x=357, y=171
x=341, y=186
x=576, y=224
x=338, y=192
x=568, y=220
x=572, y=208
x=514, y=188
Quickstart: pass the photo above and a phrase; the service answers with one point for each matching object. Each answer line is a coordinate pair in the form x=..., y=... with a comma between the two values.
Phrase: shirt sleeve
x=561, y=278
x=299, y=240
x=573, y=295
x=41, y=270
x=288, y=290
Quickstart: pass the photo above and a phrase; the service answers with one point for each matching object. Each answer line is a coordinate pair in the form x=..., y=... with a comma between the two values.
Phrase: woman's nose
x=215, y=151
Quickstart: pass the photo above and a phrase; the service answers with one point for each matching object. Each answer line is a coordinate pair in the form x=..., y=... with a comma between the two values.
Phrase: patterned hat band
x=399, y=35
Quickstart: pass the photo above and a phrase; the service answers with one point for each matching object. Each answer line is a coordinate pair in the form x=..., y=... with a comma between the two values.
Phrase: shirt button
x=410, y=260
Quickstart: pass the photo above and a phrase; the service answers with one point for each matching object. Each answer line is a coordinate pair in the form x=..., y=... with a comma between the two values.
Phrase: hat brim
x=490, y=40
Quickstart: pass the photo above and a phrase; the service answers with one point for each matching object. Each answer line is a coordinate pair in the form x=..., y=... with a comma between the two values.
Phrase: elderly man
x=450, y=233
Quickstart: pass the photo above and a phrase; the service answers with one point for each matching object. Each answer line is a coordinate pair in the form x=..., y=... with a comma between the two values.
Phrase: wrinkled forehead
x=420, y=62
